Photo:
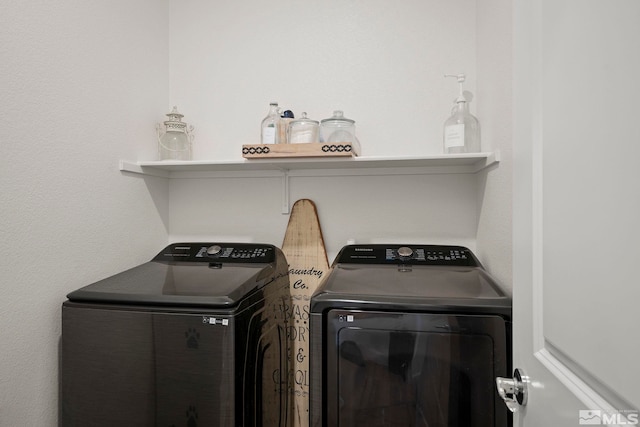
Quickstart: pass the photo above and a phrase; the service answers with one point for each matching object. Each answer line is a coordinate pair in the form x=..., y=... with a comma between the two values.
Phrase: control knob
x=214, y=250
x=405, y=252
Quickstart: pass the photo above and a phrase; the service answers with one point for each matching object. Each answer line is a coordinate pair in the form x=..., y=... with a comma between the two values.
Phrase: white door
x=577, y=210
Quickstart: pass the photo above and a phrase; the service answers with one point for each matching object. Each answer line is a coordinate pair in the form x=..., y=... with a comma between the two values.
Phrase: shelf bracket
x=285, y=192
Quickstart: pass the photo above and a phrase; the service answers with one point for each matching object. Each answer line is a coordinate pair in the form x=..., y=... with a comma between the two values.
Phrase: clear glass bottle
x=270, y=126
x=462, y=129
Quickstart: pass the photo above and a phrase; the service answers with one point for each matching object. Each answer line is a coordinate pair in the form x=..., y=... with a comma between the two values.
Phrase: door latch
x=513, y=390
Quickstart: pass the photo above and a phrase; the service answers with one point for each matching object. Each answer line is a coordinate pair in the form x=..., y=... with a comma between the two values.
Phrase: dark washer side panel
x=91, y=332
x=140, y=368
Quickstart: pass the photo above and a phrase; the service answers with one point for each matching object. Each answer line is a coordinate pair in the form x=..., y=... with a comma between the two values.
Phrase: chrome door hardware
x=513, y=390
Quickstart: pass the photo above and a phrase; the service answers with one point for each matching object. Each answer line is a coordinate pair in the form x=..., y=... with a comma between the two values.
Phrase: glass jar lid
x=304, y=120
x=338, y=118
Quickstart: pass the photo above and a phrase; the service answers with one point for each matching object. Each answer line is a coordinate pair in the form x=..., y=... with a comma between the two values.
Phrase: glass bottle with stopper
x=270, y=126
x=462, y=129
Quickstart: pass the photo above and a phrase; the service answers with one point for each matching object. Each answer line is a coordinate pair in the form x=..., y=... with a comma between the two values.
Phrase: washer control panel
x=218, y=252
x=408, y=254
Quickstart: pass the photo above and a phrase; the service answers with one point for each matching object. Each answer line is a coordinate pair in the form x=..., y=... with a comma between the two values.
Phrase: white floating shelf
x=449, y=163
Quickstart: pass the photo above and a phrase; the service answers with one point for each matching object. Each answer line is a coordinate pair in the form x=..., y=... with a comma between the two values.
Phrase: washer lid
x=416, y=277
x=186, y=275
x=419, y=288
x=383, y=281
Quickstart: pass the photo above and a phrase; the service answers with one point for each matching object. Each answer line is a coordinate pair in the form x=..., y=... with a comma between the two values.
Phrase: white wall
x=384, y=65
x=495, y=104
x=378, y=209
x=82, y=85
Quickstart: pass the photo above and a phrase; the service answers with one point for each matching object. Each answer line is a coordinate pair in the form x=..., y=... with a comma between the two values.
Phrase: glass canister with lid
x=337, y=128
x=303, y=130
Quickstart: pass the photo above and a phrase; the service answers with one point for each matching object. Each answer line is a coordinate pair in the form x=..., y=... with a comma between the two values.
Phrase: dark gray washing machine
x=410, y=336
x=193, y=338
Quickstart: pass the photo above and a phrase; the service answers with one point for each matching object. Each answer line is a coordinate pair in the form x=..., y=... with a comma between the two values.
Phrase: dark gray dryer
x=194, y=337
x=409, y=336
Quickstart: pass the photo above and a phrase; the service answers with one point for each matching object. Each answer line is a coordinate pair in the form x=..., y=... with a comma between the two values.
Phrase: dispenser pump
x=462, y=129
x=461, y=78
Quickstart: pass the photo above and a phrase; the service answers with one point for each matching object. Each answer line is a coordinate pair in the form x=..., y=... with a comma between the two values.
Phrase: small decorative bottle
x=270, y=126
x=462, y=129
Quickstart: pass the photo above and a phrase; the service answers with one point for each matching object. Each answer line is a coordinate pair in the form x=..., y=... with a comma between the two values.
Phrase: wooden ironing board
x=304, y=249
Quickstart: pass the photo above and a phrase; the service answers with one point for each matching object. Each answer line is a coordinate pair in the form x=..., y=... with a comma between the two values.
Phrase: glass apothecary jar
x=337, y=128
x=303, y=130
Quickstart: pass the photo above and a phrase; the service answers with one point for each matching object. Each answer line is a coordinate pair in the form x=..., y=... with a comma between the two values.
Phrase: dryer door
x=414, y=370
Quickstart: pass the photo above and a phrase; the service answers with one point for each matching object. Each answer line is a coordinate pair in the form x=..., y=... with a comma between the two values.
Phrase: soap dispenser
x=462, y=129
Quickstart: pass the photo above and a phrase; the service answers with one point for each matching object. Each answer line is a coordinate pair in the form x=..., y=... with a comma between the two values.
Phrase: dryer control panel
x=408, y=254
x=218, y=252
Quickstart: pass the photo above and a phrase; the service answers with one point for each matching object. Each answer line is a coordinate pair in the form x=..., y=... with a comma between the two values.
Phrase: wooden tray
x=313, y=149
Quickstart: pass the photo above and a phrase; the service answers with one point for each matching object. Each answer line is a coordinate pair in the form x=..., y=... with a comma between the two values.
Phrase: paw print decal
x=192, y=337
x=192, y=417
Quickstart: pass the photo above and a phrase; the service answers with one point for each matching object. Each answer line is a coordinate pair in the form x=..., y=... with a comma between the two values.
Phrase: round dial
x=214, y=250
x=405, y=252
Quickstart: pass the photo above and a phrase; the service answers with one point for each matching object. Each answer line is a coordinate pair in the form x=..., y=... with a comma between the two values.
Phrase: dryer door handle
x=513, y=390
